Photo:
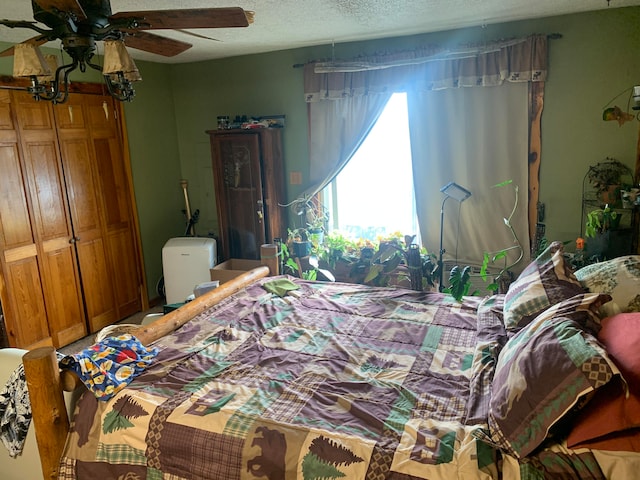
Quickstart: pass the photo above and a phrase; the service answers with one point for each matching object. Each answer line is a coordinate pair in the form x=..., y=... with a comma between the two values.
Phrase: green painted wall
x=596, y=59
x=155, y=166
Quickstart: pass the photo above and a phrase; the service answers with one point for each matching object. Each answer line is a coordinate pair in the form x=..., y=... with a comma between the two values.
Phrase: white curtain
x=339, y=126
x=483, y=131
x=476, y=137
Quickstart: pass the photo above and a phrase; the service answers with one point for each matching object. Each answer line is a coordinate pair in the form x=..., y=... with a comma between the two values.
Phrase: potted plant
x=299, y=242
x=598, y=227
x=334, y=248
x=400, y=261
x=607, y=179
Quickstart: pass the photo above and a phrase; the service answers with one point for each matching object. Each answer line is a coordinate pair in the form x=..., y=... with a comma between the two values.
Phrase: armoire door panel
x=14, y=211
x=241, y=186
x=27, y=320
x=245, y=231
x=63, y=301
x=248, y=179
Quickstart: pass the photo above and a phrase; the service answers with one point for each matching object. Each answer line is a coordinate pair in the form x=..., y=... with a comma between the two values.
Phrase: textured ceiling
x=284, y=24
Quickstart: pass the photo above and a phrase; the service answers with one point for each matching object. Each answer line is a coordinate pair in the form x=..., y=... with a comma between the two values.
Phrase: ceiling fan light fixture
x=29, y=61
x=117, y=60
x=119, y=70
x=79, y=24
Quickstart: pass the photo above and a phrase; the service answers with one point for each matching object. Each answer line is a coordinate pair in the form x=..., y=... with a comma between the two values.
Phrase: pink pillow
x=611, y=420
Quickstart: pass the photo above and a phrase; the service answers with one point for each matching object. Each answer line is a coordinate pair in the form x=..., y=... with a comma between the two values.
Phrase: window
x=373, y=194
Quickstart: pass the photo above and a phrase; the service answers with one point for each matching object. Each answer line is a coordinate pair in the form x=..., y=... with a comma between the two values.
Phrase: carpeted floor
x=89, y=340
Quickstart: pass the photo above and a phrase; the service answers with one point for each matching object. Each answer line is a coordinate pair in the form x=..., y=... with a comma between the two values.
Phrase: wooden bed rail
x=46, y=383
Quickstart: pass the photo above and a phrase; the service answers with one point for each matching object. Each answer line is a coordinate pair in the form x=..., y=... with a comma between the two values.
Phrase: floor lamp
x=455, y=191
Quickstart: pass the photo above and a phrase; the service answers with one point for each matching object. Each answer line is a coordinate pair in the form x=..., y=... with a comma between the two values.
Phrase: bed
x=281, y=378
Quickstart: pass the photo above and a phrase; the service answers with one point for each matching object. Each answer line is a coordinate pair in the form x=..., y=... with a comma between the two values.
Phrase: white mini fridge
x=186, y=262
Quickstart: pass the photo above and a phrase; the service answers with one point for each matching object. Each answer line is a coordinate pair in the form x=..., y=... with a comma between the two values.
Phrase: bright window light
x=374, y=192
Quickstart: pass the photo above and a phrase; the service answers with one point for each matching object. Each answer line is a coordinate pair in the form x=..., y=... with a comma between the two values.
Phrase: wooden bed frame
x=46, y=382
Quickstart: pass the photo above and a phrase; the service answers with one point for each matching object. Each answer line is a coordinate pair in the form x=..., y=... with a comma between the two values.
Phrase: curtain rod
x=551, y=36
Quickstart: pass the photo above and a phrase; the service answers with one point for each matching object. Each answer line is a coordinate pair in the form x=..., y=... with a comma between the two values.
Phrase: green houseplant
x=416, y=264
x=504, y=277
x=607, y=178
x=460, y=277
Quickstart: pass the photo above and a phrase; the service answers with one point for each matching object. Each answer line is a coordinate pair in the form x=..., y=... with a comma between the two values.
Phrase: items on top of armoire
x=244, y=122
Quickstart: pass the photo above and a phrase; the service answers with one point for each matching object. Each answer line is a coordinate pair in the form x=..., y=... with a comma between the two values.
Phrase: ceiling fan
x=79, y=24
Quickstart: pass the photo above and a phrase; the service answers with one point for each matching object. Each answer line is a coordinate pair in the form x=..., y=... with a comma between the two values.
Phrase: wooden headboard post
x=49, y=413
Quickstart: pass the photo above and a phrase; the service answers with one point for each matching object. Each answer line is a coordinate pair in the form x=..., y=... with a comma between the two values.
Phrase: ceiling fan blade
x=39, y=40
x=152, y=43
x=189, y=18
x=72, y=6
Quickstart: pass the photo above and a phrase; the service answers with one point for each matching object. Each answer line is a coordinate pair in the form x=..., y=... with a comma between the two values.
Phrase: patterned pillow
x=542, y=372
x=582, y=309
x=546, y=281
x=620, y=278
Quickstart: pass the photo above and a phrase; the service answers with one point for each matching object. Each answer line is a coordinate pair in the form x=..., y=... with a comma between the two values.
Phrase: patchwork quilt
x=340, y=381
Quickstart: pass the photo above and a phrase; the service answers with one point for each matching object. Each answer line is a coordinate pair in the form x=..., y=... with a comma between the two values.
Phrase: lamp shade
x=28, y=61
x=117, y=60
x=52, y=62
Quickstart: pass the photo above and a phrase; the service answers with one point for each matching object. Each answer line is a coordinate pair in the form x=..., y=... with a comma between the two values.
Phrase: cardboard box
x=230, y=269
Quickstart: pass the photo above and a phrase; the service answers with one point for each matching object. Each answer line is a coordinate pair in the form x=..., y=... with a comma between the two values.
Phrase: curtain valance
x=430, y=68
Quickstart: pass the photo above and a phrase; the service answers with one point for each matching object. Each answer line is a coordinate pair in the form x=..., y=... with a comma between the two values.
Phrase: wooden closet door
x=45, y=269
x=21, y=291
x=125, y=264
x=100, y=206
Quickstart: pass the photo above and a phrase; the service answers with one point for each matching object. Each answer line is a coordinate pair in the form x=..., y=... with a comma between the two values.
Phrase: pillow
x=582, y=309
x=546, y=281
x=611, y=419
x=542, y=372
x=620, y=278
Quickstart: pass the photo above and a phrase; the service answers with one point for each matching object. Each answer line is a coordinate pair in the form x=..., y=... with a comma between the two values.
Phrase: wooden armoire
x=248, y=178
x=70, y=257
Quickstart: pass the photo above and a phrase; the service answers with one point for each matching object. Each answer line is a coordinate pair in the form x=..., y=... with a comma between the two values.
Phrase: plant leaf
x=502, y=184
